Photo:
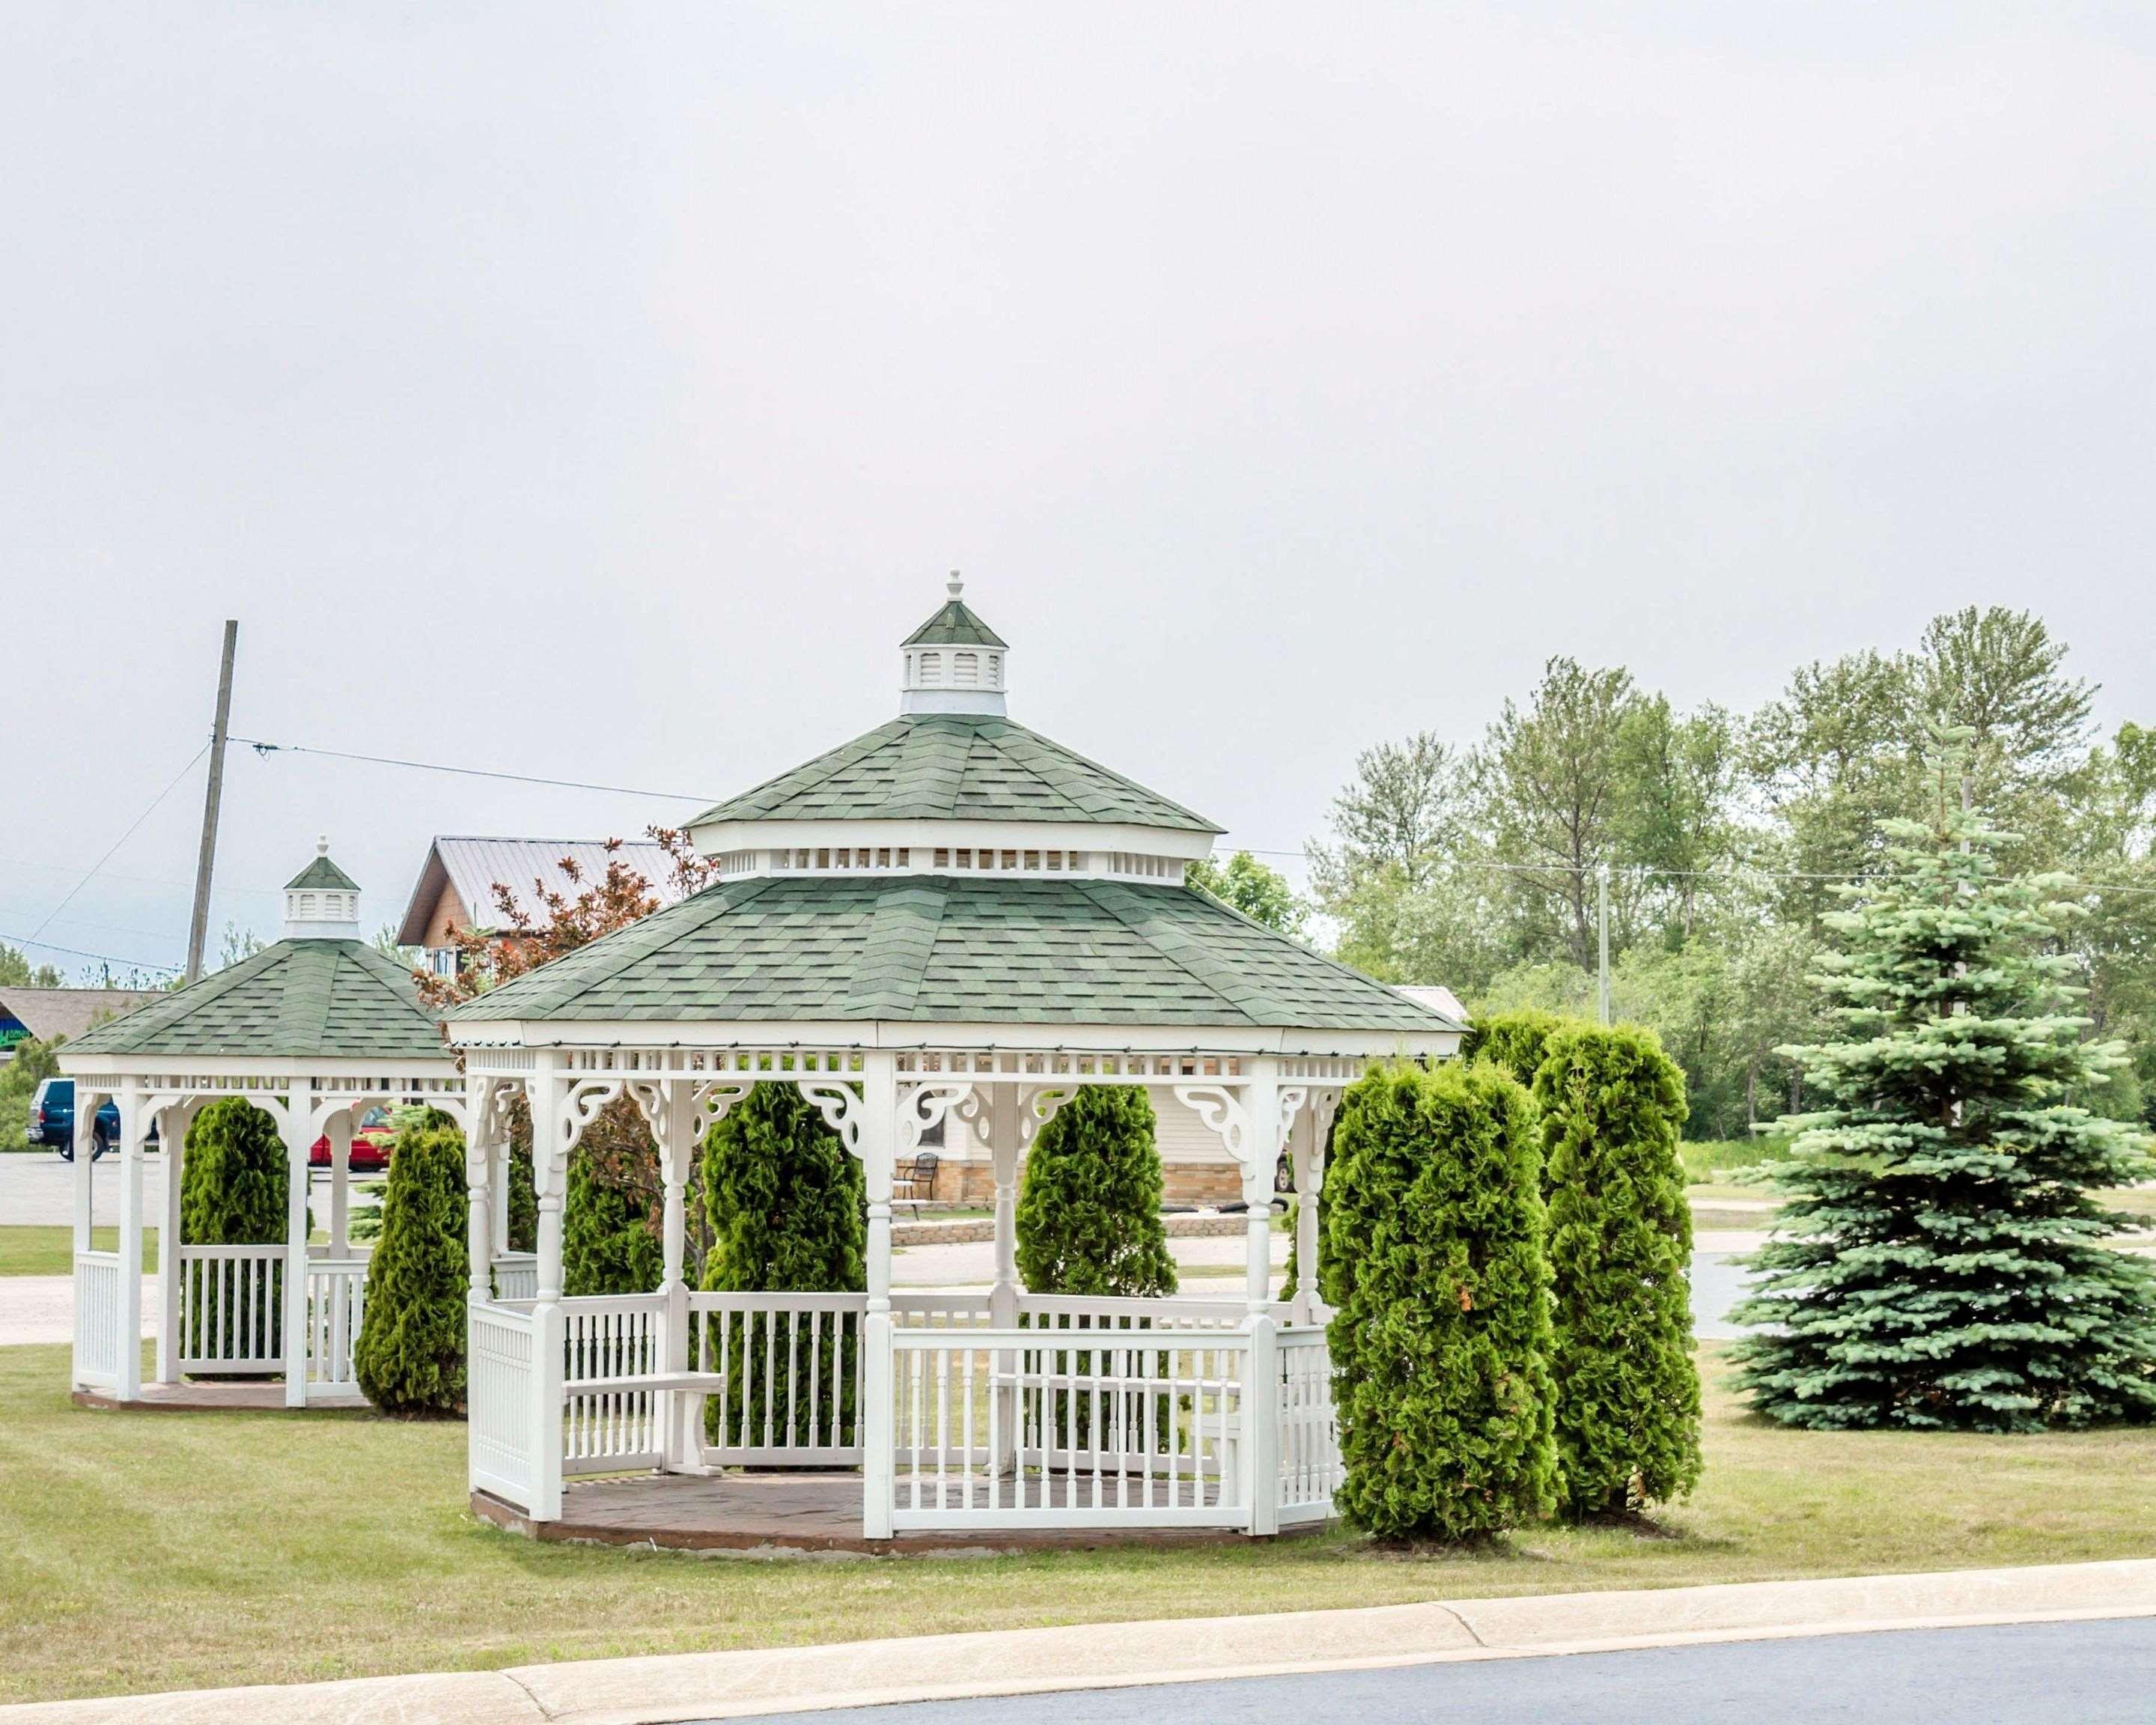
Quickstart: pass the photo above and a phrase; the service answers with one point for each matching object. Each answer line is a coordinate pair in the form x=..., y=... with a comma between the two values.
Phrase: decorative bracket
x=923, y=1106
x=580, y=1107
x=1036, y=1107
x=1223, y=1114
x=841, y=1107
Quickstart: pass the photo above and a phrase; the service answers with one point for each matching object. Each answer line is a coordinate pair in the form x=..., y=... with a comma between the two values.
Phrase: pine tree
x=1619, y=1241
x=607, y=1244
x=1514, y=1040
x=1938, y=1260
x=788, y=1212
x=234, y=1185
x=410, y=1355
x=1441, y=1340
x=1089, y=1210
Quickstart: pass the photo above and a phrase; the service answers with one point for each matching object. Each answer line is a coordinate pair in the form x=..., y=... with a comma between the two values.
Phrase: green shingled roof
x=955, y=766
x=321, y=874
x=935, y=948
x=954, y=625
x=299, y=999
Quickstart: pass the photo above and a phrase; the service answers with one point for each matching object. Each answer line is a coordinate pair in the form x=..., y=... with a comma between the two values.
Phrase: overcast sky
x=602, y=392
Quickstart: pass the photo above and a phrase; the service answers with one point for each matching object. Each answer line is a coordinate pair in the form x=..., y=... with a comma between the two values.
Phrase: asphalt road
x=2086, y=1673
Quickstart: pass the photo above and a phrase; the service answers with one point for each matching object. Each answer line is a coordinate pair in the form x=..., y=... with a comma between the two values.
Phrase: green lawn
x=50, y=1252
x=151, y=1551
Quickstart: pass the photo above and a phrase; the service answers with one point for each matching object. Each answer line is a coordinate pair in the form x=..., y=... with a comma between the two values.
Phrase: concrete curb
x=727, y=1686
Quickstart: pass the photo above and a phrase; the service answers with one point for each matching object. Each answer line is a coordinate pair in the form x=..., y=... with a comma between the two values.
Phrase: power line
x=18, y=940
x=116, y=844
x=567, y=784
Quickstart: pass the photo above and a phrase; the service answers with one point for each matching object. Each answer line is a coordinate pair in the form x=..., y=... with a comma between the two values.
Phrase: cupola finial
x=956, y=586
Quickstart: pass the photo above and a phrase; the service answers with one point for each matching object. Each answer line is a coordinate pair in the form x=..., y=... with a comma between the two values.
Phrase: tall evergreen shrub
x=789, y=1211
x=234, y=1183
x=1089, y=1211
x=1441, y=1340
x=1515, y=1040
x=607, y=1245
x=410, y=1354
x=1938, y=1260
x=1620, y=1240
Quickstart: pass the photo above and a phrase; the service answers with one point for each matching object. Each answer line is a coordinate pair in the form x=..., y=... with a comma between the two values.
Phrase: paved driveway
x=2088, y=1673
x=37, y=1189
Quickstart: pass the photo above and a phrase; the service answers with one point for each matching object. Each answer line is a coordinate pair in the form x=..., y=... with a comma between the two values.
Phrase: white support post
x=172, y=1123
x=298, y=1122
x=1261, y=1103
x=479, y=1213
x=1002, y=1115
x=340, y=1135
x=134, y=1127
x=1302, y=1148
x=87, y=1102
x=877, y=1146
x=550, y=1168
x=1260, y=1448
x=670, y=1112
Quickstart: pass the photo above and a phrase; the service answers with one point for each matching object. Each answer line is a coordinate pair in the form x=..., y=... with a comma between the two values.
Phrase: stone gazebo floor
x=254, y=1395
x=775, y=1512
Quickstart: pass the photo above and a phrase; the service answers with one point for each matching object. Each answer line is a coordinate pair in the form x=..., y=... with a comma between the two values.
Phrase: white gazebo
x=951, y=916
x=316, y=1030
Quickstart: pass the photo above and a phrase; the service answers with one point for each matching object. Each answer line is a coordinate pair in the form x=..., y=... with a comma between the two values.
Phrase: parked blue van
x=52, y=1120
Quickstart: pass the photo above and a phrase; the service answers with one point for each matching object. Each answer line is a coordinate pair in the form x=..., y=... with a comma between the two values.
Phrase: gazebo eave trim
x=284, y=1069
x=909, y=1036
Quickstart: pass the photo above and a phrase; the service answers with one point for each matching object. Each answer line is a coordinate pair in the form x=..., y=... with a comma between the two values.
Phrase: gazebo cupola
x=954, y=662
x=953, y=786
x=321, y=901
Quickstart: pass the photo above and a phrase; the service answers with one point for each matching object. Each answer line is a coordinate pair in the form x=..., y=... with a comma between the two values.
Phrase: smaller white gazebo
x=316, y=1031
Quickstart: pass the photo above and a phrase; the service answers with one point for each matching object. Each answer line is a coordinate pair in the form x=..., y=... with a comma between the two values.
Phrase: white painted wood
x=134, y=1129
x=98, y=1328
x=296, y=1123
x=787, y=1373
x=501, y=1399
x=340, y=1137
x=230, y=1314
x=336, y=1306
x=1308, y=1443
x=1129, y=1432
x=173, y=1126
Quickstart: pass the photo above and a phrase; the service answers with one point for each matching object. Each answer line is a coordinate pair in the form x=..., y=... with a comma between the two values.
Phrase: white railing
x=97, y=1337
x=516, y=1275
x=1096, y=1311
x=336, y=1305
x=1309, y=1441
x=1002, y=1429
x=786, y=1375
x=937, y=1311
x=501, y=1404
x=611, y=1336
x=232, y=1309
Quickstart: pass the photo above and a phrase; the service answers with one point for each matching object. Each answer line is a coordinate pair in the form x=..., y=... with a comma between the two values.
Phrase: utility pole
x=198, y=926
x=1602, y=939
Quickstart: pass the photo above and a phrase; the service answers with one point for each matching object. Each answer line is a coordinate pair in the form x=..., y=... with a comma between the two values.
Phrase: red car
x=370, y=1150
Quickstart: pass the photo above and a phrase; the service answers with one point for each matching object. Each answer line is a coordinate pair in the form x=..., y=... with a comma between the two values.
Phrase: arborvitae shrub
x=235, y=1181
x=234, y=1185
x=1620, y=1240
x=607, y=1244
x=1514, y=1040
x=1938, y=1260
x=1089, y=1210
x=1441, y=1343
x=410, y=1355
x=788, y=1212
